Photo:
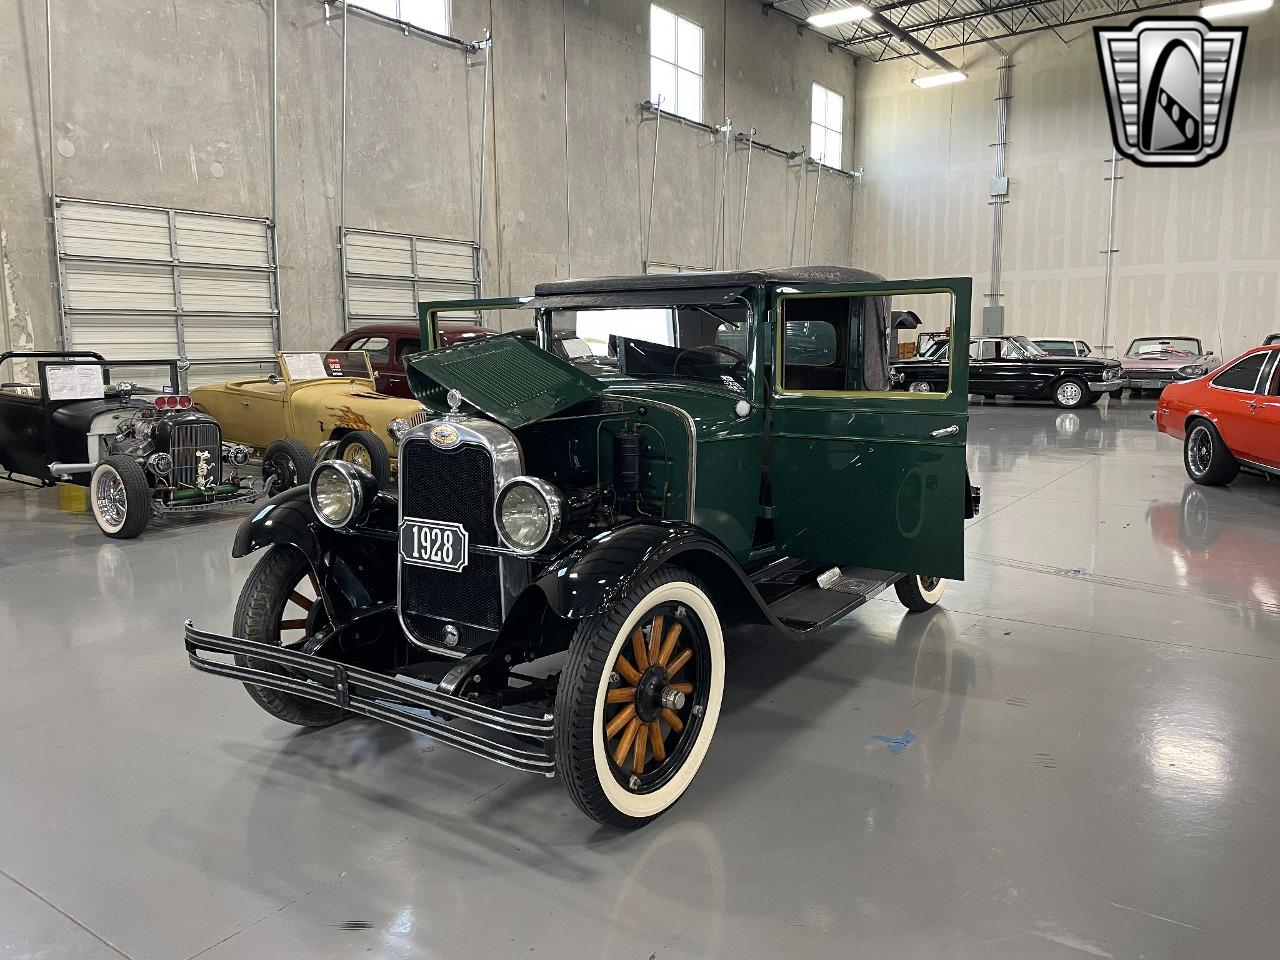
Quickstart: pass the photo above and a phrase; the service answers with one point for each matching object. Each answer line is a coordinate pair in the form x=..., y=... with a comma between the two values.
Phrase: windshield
x=1057, y=348
x=1187, y=346
x=1027, y=348
x=711, y=344
x=321, y=366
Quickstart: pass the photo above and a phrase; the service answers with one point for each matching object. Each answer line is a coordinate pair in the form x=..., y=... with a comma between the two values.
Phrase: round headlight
x=160, y=463
x=1193, y=370
x=398, y=428
x=338, y=491
x=528, y=514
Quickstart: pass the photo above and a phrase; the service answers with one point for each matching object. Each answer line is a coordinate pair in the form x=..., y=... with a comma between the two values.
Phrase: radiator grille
x=187, y=441
x=455, y=486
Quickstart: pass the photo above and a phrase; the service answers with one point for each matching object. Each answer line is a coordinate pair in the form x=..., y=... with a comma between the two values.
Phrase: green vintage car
x=571, y=538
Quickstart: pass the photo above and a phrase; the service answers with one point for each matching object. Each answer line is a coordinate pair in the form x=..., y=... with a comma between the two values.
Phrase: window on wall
x=826, y=131
x=430, y=15
x=675, y=63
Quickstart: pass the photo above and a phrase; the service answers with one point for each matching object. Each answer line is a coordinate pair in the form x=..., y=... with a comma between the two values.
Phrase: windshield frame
x=544, y=324
x=1030, y=349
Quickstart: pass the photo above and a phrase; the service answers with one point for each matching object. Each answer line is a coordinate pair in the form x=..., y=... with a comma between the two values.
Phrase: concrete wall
x=169, y=104
x=1199, y=249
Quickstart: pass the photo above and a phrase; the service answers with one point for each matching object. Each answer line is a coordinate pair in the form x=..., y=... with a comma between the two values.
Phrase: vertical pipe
x=48, y=63
x=813, y=218
x=568, y=238
x=275, y=164
x=746, y=192
x=795, y=213
x=653, y=182
x=998, y=202
x=342, y=177
x=723, y=226
x=1110, y=251
x=484, y=134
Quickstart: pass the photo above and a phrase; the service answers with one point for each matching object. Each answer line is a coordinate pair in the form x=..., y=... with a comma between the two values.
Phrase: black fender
x=354, y=567
x=595, y=574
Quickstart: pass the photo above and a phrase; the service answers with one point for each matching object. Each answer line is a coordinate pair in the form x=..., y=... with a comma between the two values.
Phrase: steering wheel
x=742, y=363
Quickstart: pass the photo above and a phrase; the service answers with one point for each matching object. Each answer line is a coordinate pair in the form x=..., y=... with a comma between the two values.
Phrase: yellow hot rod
x=322, y=405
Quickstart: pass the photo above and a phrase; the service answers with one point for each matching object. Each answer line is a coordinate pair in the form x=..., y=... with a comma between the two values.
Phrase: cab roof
x=704, y=279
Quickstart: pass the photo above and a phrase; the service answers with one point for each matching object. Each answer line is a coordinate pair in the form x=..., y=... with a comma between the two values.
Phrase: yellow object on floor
x=73, y=498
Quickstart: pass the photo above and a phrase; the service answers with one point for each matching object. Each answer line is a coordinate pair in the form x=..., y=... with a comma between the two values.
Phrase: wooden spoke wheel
x=280, y=605
x=639, y=698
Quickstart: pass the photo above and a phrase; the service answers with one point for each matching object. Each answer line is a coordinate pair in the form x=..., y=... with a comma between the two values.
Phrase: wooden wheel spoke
x=621, y=695
x=685, y=688
x=655, y=638
x=673, y=721
x=293, y=624
x=641, y=749
x=681, y=659
x=628, y=737
x=669, y=644
x=626, y=670
x=620, y=720
x=637, y=647
x=301, y=601
x=315, y=584
x=655, y=741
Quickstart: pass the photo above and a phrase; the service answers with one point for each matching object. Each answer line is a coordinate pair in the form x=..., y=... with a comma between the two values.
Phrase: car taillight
x=184, y=403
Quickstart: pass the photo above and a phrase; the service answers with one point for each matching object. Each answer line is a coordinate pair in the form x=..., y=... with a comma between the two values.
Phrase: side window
x=379, y=349
x=988, y=349
x=406, y=346
x=843, y=343
x=1242, y=375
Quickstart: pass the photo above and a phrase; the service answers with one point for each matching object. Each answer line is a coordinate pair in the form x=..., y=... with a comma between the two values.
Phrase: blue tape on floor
x=896, y=744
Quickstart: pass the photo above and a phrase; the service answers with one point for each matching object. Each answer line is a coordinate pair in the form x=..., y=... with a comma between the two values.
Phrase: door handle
x=950, y=431
x=1252, y=405
x=244, y=403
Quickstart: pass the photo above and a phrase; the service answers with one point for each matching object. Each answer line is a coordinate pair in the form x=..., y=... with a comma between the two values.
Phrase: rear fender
x=595, y=575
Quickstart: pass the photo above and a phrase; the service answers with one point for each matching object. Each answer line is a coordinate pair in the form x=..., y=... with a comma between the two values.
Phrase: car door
x=1259, y=432
x=859, y=474
x=392, y=378
x=1236, y=402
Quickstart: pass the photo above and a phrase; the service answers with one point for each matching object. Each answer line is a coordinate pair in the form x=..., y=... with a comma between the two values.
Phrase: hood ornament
x=454, y=399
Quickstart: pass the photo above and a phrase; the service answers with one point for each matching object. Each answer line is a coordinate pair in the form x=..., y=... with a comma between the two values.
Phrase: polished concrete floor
x=1095, y=769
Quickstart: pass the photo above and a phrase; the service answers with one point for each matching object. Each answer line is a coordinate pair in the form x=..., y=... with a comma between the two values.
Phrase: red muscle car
x=1227, y=420
x=389, y=343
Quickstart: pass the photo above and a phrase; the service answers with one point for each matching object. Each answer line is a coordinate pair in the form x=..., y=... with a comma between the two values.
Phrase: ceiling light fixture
x=938, y=79
x=832, y=16
x=1233, y=8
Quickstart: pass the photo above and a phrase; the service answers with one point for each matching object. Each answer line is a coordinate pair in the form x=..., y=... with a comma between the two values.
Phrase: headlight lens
x=1192, y=370
x=398, y=428
x=528, y=514
x=339, y=490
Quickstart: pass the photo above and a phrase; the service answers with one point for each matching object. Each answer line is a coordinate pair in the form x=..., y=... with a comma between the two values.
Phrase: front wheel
x=1206, y=457
x=1071, y=393
x=919, y=386
x=919, y=594
x=285, y=464
x=121, y=497
x=639, y=698
x=280, y=605
x=364, y=449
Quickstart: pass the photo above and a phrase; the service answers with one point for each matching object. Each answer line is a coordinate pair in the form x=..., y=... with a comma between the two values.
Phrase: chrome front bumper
x=400, y=701
x=1106, y=386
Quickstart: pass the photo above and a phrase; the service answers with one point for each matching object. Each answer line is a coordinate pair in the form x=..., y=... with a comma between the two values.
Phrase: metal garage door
x=149, y=282
x=386, y=275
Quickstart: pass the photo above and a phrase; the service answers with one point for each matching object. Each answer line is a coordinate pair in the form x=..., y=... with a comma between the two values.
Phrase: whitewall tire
x=919, y=594
x=635, y=717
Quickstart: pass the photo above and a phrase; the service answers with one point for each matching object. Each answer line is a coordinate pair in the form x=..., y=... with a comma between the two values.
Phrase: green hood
x=507, y=378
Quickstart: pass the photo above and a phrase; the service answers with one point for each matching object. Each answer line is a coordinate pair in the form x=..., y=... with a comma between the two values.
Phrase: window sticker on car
x=74, y=381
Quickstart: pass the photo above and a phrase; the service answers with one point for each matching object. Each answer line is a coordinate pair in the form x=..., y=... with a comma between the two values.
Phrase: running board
x=838, y=592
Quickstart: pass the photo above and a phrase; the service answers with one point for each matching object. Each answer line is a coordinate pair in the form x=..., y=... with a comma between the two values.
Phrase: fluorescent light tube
x=938, y=79
x=829, y=18
x=1233, y=8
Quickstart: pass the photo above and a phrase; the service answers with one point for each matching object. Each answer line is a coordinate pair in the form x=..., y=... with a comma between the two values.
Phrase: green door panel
x=873, y=479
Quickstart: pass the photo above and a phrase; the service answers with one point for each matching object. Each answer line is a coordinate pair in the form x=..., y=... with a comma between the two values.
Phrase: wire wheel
x=919, y=387
x=357, y=454
x=655, y=701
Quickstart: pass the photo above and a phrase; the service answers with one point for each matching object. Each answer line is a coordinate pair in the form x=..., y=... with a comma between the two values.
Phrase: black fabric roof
x=708, y=278
x=635, y=297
